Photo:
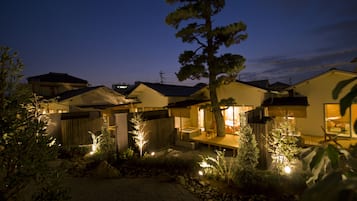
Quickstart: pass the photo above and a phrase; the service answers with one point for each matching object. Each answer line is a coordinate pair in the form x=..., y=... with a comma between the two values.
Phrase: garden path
x=127, y=189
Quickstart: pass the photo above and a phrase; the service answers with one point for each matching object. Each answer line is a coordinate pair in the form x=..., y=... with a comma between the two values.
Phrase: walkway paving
x=127, y=189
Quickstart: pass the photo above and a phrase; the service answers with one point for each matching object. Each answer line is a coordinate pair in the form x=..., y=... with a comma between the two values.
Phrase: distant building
x=121, y=87
x=51, y=84
x=156, y=96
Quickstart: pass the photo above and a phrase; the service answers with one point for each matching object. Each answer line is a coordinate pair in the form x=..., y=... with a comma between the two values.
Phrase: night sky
x=112, y=41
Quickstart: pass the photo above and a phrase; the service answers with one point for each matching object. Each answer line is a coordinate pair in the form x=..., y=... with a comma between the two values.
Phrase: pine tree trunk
x=213, y=84
x=216, y=110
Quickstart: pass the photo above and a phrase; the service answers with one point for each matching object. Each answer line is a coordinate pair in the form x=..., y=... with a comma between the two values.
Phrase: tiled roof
x=264, y=84
x=56, y=77
x=173, y=90
x=278, y=86
x=75, y=92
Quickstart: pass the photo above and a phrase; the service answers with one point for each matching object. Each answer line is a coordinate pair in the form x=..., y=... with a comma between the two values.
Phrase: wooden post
x=121, y=137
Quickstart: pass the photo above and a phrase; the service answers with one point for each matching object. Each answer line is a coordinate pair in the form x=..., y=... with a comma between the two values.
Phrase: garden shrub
x=247, y=157
x=218, y=167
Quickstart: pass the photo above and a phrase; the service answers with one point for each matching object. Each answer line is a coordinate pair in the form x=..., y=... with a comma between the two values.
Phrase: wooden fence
x=75, y=127
x=162, y=133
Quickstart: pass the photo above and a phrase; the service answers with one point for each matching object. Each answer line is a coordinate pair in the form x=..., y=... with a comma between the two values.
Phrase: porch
x=229, y=141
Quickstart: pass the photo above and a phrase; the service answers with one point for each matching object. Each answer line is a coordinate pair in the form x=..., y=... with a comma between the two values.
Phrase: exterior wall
x=194, y=116
x=175, y=99
x=187, y=118
x=148, y=97
x=319, y=92
x=242, y=94
x=54, y=108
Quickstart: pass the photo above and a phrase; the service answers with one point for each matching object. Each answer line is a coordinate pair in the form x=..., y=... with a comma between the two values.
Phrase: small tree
x=139, y=132
x=204, y=61
x=283, y=146
x=247, y=153
x=25, y=148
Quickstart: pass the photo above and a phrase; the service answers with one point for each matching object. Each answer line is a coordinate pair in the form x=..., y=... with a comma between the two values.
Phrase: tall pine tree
x=196, y=18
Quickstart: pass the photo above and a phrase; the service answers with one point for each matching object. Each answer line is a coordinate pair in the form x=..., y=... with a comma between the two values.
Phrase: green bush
x=69, y=152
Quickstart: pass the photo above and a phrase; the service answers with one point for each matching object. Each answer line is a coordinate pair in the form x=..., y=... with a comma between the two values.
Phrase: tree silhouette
x=25, y=147
x=196, y=18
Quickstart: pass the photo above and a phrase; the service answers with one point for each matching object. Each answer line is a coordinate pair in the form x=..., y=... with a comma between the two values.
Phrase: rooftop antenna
x=161, y=77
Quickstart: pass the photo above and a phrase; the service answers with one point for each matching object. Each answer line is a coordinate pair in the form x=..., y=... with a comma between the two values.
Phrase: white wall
x=319, y=91
x=242, y=93
x=148, y=97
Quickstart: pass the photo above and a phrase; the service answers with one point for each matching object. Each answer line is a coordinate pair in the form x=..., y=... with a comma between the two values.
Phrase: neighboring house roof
x=56, y=77
x=171, y=90
x=330, y=71
x=75, y=92
x=286, y=101
x=264, y=84
x=278, y=86
x=98, y=96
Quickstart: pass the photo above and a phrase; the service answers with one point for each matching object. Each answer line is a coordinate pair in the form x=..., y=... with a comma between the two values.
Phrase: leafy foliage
x=25, y=148
x=103, y=144
x=139, y=132
x=248, y=152
x=196, y=18
x=247, y=155
x=347, y=100
x=333, y=173
x=283, y=146
x=218, y=167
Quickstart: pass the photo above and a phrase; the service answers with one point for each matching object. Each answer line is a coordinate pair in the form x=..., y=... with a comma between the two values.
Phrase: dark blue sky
x=111, y=41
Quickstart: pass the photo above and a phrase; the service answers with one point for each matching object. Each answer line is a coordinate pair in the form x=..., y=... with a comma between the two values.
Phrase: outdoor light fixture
x=200, y=172
x=287, y=169
x=152, y=154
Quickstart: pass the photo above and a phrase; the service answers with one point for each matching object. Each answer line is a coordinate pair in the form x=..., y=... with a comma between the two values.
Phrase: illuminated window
x=231, y=118
x=337, y=124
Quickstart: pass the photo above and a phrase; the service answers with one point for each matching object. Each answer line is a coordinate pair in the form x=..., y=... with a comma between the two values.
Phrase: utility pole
x=161, y=77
